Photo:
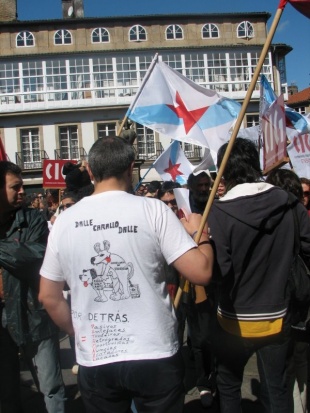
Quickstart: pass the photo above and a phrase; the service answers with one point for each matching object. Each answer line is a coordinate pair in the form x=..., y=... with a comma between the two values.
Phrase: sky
x=293, y=28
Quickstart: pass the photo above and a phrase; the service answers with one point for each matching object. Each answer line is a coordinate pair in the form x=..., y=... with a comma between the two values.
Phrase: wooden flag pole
x=234, y=134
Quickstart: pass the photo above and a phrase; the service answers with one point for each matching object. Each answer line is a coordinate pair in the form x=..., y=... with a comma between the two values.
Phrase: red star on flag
x=173, y=170
x=190, y=117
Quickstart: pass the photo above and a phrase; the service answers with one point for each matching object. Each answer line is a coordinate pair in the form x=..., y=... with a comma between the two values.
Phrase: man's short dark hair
x=7, y=167
x=167, y=186
x=110, y=157
x=242, y=165
x=287, y=180
x=194, y=179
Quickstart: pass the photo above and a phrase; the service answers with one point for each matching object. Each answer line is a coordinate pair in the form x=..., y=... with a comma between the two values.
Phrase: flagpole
x=147, y=75
x=235, y=132
x=141, y=180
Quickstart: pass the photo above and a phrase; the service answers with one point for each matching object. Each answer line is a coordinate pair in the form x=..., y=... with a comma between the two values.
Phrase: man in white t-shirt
x=111, y=248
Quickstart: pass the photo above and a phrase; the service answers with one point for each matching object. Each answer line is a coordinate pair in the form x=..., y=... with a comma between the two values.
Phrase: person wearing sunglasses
x=68, y=201
x=165, y=194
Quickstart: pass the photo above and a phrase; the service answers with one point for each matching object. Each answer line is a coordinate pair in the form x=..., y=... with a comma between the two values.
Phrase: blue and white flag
x=172, y=164
x=293, y=119
x=176, y=107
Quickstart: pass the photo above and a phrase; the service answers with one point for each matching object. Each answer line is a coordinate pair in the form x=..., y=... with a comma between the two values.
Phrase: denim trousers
x=47, y=363
x=155, y=386
x=46, y=360
x=232, y=354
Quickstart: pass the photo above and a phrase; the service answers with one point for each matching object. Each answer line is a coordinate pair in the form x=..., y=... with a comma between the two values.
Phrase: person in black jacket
x=252, y=229
x=24, y=323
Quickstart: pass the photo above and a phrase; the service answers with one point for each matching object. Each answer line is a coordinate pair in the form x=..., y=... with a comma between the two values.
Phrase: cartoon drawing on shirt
x=111, y=273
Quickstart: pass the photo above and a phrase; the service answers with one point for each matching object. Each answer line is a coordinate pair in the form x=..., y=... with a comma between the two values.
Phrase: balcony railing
x=148, y=151
x=195, y=152
x=74, y=154
x=31, y=159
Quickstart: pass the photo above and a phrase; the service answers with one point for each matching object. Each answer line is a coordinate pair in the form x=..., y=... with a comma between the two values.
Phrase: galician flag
x=293, y=119
x=303, y=6
x=172, y=164
x=176, y=107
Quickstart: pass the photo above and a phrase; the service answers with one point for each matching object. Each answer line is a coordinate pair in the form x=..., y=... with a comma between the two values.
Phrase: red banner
x=52, y=173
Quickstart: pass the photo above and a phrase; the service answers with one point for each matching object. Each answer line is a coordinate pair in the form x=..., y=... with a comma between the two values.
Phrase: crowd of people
x=123, y=255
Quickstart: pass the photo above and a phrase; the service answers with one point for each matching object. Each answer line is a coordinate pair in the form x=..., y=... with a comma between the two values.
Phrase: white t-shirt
x=110, y=248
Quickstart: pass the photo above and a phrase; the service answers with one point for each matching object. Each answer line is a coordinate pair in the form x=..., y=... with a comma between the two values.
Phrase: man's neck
x=111, y=184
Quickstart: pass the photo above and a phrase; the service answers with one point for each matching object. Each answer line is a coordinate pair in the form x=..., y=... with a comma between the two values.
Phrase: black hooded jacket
x=252, y=229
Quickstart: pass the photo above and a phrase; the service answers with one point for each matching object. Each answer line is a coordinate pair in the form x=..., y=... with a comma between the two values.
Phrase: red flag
x=3, y=156
x=303, y=6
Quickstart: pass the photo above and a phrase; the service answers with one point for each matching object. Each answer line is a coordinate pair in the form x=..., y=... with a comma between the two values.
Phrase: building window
x=100, y=35
x=252, y=120
x=195, y=67
x=209, y=31
x=174, y=32
x=106, y=129
x=127, y=76
x=33, y=81
x=62, y=37
x=68, y=142
x=137, y=34
x=9, y=83
x=30, y=148
x=56, y=80
x=245, y=30
x=103, y=77
x=79, y=78
x=217, y=71
x=25, y=39
x=145, y=142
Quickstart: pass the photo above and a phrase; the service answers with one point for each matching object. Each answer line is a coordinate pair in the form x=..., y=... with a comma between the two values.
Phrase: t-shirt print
x=110, y=275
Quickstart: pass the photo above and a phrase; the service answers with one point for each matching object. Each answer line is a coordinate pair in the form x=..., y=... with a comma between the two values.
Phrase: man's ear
x=90, y=173
x=130, y=169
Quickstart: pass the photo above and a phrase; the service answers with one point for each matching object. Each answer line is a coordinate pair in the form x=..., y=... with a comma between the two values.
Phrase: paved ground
x=33, y=401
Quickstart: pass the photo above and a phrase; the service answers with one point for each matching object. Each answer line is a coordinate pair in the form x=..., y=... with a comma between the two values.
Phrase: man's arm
x=23, y=258
x=52, y=298
x=196, y=264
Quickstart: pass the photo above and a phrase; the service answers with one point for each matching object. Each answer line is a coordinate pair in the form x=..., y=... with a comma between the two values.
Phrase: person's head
x=141, y=190
x=242, y=165
x=221, y=189
x=287, y=180
x=34, y=201
x=111, y=157
x=69, y=199
x=11, y=187
x=152, y=189
x=305, y=183
x=199, y=185
x=165, y=194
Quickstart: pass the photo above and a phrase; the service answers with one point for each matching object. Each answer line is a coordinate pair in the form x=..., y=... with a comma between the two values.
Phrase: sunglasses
x=172, y=202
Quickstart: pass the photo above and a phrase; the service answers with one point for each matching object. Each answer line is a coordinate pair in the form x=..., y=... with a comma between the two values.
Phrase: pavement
x=33, y=401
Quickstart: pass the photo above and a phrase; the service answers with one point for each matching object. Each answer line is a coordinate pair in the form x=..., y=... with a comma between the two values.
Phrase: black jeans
x=155, y=386
x=10, y=398
x=232, y=354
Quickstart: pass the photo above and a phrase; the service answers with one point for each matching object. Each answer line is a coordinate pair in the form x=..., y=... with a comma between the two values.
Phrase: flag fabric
x=293, y=119
x=172, y=164
x=303, y=6
x=3, y=156
x=299, y=153
x=274, y=134
x=176, y=107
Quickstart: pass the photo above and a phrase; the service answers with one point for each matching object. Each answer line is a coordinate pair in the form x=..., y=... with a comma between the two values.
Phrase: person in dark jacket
x=252, y=228
x=24, y=325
